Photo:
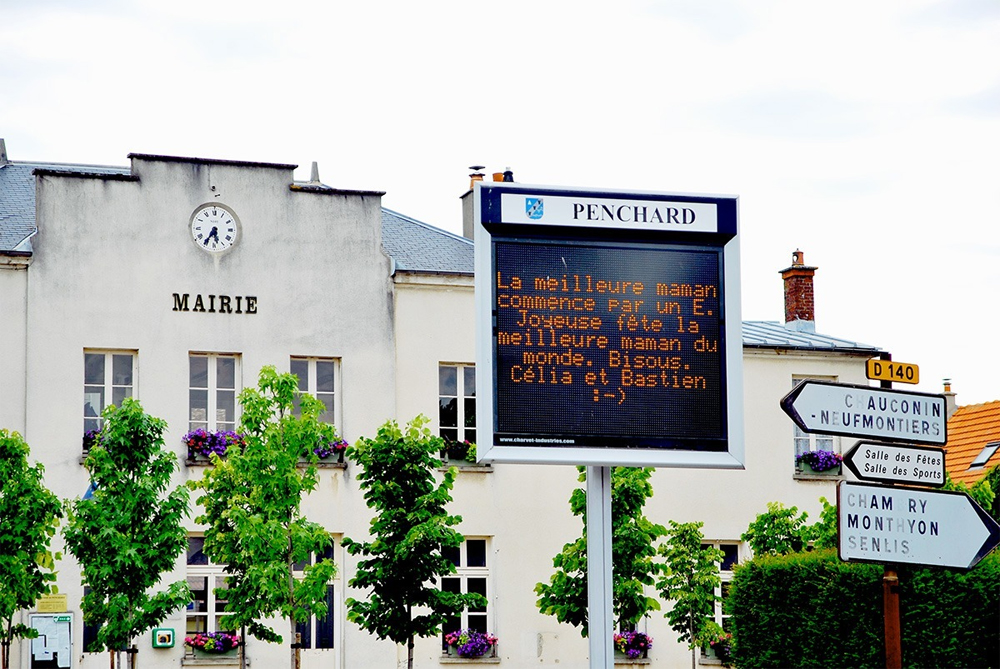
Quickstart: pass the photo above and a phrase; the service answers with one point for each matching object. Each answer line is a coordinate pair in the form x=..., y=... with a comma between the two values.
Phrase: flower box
x=202, y=443
x=213, y=644
x=632, y=645
x=824, y=463
x=470, y=644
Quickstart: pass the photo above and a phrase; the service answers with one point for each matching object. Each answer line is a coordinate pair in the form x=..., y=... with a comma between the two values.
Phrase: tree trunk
x=694, y=649
x=243, y=647
x=409, y=653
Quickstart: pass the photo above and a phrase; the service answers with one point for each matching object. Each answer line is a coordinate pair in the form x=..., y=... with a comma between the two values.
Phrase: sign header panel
x=910, y=526
x=609, y=212
x=890, y=463
x=863, y=411
x=889, y=370
x=603, y=343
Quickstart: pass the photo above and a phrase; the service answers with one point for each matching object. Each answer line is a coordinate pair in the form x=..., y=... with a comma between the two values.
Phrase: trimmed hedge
x=813, y=610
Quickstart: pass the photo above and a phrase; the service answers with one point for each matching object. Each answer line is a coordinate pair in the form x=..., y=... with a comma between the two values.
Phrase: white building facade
x=107, y=291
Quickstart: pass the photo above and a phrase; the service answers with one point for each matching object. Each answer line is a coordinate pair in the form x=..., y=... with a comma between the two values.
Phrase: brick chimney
x=800, y=307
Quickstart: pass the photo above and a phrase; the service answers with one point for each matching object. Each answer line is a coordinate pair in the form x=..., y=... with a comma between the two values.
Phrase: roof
x=771, y=334
x=413, y=245
x=17, y=198
x=970, y=429
x=418, y=247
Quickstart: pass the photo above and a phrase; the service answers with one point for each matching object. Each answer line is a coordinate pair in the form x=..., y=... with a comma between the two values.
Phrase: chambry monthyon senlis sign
x=863, y=411
x=907, y=525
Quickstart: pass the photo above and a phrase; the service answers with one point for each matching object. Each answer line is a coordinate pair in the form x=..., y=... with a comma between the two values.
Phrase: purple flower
x=470, y=643
x=204, y=443
x=820, y=461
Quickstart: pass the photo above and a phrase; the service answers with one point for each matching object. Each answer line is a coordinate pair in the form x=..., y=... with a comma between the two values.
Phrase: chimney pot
x=800, y=307
x=476, y=175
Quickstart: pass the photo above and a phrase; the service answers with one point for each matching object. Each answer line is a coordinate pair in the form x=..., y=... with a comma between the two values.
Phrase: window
x=319, y=632
x=730, y=558
x=212, y=391
x=318, y=377
x=805, y=442
x=90, y=630
x=204, y=577
x=457, y=402
x=471, y=575
x=984, y=455
x=107, y=375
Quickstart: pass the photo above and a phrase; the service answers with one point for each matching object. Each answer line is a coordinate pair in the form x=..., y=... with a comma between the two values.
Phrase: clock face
x=214, y=228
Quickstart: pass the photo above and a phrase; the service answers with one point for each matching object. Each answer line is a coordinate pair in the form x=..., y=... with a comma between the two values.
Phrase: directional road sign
x=863, y=411
x=905, y=525
x=890, y=463
x=890, y=370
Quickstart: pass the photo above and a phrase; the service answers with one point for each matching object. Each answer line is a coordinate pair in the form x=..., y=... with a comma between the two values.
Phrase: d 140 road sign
x=904, y=525
x=888, y=370
x=890, y=463
x=863, y=411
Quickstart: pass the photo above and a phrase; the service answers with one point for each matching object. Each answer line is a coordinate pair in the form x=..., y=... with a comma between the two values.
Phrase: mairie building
x=174, y=280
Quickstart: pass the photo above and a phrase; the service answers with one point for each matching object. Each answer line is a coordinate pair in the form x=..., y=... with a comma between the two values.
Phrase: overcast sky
x=865, y=133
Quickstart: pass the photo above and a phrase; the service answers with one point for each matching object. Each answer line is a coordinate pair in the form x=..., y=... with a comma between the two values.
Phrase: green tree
x=779, y=531
x=824, y=533
x=29, y=515
x=130, y=531
x=403, y=563
x=633, y=553
x=252, y=507
x=690, y=578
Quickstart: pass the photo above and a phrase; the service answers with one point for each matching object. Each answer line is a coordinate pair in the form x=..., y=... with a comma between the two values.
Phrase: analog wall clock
x=214, y=227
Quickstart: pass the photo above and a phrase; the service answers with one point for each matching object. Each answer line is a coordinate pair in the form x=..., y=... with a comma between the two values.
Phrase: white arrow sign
x=890, y=463
x=863, y=411
x=909, y=526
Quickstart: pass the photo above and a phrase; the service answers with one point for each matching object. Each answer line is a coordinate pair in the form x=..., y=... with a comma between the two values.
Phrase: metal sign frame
x=614, y=220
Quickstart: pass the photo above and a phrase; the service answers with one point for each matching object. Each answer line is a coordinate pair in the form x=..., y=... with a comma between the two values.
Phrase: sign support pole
x=890, y=594
x=599, y=590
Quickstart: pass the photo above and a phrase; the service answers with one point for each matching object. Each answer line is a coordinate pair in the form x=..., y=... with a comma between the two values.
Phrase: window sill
x=450, y=659
x=199, y=462
x=466, y=466
x=809, y=475
x=625, y=662
x=223, y=661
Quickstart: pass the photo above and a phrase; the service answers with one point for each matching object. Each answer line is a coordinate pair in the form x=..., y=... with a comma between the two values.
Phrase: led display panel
x=608, y=327
x=605, y=344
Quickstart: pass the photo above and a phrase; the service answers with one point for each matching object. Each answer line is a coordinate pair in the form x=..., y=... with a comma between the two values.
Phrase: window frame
x=463, y=573
x=462, y=396
x=989, y=450
x=719, y=615
x=333, y=600
x=211, y=571
x=108, y=384
x=211, y=422
x=802, y=441
x=311, y=384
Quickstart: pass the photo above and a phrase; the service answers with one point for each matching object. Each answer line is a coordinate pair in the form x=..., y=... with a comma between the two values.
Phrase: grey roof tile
x=419, y=247
x=770, y=334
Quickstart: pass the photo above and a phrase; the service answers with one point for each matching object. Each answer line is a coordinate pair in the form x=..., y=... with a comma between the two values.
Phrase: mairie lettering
x=216, y=304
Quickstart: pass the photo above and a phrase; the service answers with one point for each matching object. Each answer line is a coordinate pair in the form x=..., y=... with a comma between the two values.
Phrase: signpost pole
x=890, y=594
x=599, y=589
x=890, y=603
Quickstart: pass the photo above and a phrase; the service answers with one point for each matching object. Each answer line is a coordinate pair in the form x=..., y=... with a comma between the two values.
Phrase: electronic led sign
x=611, y=331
